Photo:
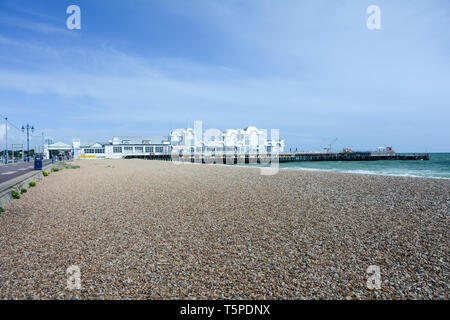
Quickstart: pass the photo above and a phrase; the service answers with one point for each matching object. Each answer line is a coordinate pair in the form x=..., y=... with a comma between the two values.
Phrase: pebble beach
x=142, y=229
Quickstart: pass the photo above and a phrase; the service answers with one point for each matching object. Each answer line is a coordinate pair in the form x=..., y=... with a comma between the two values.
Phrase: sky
x=311, y=69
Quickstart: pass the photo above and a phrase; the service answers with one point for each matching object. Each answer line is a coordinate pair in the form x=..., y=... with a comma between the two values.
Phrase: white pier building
x=250, y=140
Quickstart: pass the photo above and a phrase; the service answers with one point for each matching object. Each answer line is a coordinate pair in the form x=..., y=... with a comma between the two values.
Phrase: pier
x=285, y=157
x=353, y=156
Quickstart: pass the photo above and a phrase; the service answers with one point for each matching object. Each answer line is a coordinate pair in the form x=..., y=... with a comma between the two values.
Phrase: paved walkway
x=13, y=170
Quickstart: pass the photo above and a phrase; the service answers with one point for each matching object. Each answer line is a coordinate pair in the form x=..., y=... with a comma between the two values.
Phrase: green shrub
x=32, y=184
x=55, y=169
x=45, y=173
x=23, y=190
x=1, y=210
x=15, y=194
x=75, y=167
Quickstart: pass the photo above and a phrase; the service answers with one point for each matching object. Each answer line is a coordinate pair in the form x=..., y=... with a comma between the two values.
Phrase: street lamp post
x=28, y=127
x=6, y=138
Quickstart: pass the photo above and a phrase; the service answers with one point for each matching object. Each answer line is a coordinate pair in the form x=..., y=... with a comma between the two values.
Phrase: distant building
x=56, y=149
x=211, y=142
x=250, y=140
x=117, y=148
x=126, y=146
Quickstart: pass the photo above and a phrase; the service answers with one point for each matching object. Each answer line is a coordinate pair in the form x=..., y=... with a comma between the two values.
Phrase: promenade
x=13, y=170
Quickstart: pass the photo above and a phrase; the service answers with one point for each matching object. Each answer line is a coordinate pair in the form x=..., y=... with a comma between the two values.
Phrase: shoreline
x=321, y=170
x=364, y=173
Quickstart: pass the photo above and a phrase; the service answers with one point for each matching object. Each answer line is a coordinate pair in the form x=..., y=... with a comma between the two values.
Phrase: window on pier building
x=94, y=150
x=139, y=149
x=128, y=148
x=159, y=149
x=117, y=149
x=148, y=149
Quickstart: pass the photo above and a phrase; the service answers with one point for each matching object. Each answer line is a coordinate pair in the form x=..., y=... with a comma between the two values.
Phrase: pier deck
x=288, y=157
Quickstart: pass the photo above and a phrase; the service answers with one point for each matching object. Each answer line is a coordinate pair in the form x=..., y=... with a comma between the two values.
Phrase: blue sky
x=309, y=68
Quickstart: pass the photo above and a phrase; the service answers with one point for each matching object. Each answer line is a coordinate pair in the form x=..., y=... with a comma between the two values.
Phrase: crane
x=328, y=147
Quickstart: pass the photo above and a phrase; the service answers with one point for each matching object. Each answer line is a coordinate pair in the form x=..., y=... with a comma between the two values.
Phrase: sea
x=437, y=167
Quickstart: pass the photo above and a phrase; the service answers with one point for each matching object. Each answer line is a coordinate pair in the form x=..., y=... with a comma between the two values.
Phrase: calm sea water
x=437, y=167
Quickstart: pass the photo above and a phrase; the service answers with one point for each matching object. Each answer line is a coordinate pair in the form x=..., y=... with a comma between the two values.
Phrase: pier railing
x=236, y=158
x=414, y=154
